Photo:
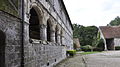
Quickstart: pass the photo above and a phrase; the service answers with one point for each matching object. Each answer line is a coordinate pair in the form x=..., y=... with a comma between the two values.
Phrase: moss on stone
x=7, y=7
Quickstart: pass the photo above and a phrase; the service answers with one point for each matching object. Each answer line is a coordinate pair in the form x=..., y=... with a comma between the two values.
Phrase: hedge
x=117, y=48
x=71, y=52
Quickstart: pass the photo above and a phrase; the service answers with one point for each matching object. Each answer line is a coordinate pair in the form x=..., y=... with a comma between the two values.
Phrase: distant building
x=111, y=36
x=34, y=33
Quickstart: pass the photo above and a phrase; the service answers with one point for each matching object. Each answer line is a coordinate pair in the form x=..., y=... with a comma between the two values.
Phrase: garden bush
x=98, y=49
x=100, y=45
x=86, y=48
x=117, y=48
x=71, y=52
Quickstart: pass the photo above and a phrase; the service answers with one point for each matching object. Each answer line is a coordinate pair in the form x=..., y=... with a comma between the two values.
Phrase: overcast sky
x=92, y=12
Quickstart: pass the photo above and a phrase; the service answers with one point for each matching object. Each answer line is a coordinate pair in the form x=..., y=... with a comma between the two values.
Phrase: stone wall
x=11, y=26
x=116, y=41
x=44, y=52
x=52, y=21
x=11, y=6
x=55, y=11
x=43, y=55
x=36, y=54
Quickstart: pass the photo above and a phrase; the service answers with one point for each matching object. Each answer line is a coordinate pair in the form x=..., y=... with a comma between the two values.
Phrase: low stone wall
x=43, y=55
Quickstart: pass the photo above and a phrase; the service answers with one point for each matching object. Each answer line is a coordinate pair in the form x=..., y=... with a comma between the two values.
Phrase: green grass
x=85, y=53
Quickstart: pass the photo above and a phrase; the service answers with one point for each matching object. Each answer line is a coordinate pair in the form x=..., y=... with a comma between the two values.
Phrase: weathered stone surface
x=37, y=52
x=104, y=59
x=12, y=28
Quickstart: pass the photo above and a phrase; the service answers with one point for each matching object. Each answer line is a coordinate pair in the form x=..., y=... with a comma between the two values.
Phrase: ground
x=104, y=59
x=76, y=61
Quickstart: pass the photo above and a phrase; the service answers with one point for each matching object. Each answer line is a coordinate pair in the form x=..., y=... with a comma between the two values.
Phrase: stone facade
x=47, y=34
x=117, y=41
x=10, y=51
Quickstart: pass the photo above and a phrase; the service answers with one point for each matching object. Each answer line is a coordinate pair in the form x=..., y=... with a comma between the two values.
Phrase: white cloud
x=92, y=12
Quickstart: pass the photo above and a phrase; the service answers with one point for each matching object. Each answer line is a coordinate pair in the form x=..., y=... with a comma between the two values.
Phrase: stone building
x=34, y=33
x=111, y=36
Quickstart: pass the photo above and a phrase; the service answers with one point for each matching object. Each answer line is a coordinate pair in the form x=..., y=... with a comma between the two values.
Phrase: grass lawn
x=84, y=53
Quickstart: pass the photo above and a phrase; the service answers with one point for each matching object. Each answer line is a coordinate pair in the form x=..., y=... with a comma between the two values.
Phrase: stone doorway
x=110, y=44
x=2, y=48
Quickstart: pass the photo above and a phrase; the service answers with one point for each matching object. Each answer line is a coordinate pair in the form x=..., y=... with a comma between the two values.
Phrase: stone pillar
x=43, y=35
x=62, y=40
x=52, y=34
x=58, y=35
x=62, y=37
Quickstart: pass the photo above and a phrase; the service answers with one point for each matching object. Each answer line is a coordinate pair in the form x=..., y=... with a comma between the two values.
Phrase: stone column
x=58, y=34
x=58, y=37
x=43, y=35
x=62, y=40
x=52, y=34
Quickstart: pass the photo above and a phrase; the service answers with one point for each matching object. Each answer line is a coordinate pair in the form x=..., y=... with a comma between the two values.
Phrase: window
x=34, y=29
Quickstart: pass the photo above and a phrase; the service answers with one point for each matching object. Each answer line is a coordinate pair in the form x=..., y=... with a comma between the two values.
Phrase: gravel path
x=76, y=61
x=105, y=59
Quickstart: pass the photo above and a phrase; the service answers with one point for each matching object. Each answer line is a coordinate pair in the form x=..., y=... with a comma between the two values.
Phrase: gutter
x=22, y=33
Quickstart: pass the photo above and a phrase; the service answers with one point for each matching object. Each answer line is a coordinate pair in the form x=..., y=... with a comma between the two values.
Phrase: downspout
x=22, y=44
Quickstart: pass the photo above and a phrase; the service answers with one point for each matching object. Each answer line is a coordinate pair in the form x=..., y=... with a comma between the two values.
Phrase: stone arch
x=39, y=11
x=41, y=25
x=2, y=48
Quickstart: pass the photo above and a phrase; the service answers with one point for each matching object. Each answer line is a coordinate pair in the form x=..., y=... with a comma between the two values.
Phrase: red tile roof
x=110, y=31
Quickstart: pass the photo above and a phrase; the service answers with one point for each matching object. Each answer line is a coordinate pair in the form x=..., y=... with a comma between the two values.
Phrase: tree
x=86, y=35
x=115, y=22
x=77, y=30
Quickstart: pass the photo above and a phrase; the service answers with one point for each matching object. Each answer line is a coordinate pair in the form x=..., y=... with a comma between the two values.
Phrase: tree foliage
x=115, y=22
x=86, y=35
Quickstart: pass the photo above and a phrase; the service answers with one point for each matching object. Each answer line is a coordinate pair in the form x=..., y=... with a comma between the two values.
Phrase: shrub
x=86, y=48
x=117, y=48
x=100, y=45
x=71, y=52
x=98, y=49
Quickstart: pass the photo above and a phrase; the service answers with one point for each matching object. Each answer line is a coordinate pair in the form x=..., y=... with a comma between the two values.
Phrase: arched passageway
x=61, y=37
x=110, y=44
x=34, y=29
x=48, y=31
x=56, y=34
x=2, y=48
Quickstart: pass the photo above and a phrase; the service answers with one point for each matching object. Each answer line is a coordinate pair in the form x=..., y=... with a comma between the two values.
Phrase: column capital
x=43, y=26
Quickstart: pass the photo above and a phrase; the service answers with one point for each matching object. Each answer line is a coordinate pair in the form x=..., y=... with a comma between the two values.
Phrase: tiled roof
x=110, y=31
